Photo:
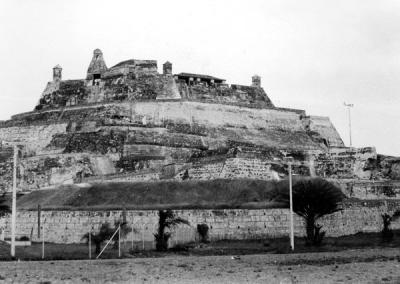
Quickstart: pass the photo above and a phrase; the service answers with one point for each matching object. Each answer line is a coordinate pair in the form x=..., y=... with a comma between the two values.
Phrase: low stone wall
x=70, y=226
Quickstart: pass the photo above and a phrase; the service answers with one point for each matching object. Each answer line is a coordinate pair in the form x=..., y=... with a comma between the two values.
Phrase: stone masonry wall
x=70, y=226
x=232, y=168
x=34, y=137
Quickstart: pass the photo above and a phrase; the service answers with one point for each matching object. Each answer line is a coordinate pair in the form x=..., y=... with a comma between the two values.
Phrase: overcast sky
x=312, y=55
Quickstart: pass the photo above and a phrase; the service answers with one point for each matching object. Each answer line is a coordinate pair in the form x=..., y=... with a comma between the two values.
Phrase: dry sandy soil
x=355, y=266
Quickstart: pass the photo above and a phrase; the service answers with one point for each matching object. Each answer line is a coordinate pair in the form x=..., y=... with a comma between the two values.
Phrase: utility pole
x=289, y=160
x=14, y=193
x=291, y=206
x=14, y=201
x=348, y=108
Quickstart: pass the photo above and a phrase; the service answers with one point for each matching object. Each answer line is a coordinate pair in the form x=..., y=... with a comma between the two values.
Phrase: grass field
x=213, y=194
x=228, y=247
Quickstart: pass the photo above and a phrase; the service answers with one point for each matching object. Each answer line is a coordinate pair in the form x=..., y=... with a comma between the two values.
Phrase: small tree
x=312, y=199
x=167, y=220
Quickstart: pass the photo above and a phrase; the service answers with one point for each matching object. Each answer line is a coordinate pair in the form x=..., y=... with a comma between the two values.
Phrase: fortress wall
x=35, y=137
x=58, y=169
x=132, y=177
x=215, y=115
x=249, y=168
x=51, y=170
x=370, y=190
x=70, y=226
x=232, y=168
x=325, y=128
x=345, y=163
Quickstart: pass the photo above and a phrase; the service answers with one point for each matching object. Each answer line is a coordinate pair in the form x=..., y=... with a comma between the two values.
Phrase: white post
x=291, y=206
x=348, y=108
x=14, y=202
x=43, y=241
x=350, y=126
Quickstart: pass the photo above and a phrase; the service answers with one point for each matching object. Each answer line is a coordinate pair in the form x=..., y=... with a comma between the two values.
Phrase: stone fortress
x=130, y=123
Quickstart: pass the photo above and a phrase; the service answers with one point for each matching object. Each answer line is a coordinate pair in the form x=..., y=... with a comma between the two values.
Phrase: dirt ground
x=353, y=266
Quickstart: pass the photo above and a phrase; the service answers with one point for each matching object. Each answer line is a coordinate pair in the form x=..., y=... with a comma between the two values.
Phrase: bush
x=24, y=239
x=202, y=229
x=387, y=233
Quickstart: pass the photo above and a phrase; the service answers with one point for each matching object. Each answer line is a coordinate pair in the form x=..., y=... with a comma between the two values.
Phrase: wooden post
x=38, y=221
x=90, y=243
x=132, y=237
x=124, y=215
x=119, y=241
x=143, y=238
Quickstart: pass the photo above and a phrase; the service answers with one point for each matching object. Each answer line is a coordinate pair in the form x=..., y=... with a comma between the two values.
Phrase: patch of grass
x=223, y=247
x=212, y=194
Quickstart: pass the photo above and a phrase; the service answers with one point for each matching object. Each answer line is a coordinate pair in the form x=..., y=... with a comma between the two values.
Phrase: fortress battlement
x=139, y=80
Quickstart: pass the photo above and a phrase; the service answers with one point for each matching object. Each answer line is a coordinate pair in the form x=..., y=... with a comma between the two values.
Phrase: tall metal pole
x=348, y=108
x=14, y=202
x=291, y=207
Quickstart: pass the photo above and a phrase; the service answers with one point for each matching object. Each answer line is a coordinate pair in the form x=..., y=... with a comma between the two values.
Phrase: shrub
x=24, y=239
x=202, y=229
x=167, y=220
x=312, y=199
x=105, y=233
x=387, y=233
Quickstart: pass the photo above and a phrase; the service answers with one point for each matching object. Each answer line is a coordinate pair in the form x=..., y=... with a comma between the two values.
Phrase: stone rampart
x=232, y=168
x=70, y=226
x=35, y=137
x=325, y=128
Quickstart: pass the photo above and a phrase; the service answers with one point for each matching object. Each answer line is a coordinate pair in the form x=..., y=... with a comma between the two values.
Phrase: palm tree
x=312, y=199
x=167, y=220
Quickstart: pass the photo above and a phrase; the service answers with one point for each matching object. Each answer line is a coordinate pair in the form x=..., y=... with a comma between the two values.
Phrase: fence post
x=143, y=238
x=108, y=242
x=119, y=241
x=132, y=237
x=90, y=243
x=38, y=221
x=43, y=241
